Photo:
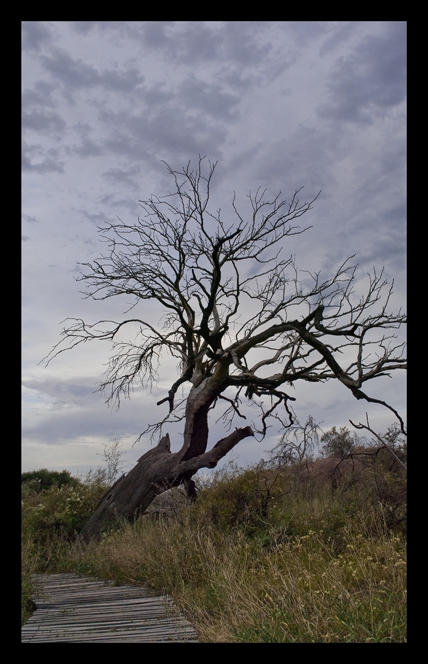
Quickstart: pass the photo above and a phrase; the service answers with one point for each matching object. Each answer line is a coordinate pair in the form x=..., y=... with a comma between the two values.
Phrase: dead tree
x=233, y=307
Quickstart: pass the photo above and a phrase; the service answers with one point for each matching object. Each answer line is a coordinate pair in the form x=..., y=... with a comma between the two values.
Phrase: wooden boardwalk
x=81, y=609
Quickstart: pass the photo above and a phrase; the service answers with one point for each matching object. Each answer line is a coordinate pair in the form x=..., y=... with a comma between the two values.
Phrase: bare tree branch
x=380, y=439
x=203, y=272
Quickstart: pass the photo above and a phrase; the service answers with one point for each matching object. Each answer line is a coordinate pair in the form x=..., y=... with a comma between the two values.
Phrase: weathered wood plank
x=74, y=608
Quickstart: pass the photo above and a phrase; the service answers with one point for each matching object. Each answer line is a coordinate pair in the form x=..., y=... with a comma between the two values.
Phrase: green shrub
x=338, y=442
x=264, y=555
x=240, y=498
x=61, y=510
x=40, y=480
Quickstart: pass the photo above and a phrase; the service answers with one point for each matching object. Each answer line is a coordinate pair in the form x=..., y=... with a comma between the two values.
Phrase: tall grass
x=50, y=520
x=262, y=557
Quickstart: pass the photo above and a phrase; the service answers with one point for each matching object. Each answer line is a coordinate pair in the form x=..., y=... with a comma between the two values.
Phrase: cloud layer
x=279, y=104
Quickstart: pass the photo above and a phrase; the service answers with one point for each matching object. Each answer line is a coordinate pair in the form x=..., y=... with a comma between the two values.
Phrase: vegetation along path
x=77, y=609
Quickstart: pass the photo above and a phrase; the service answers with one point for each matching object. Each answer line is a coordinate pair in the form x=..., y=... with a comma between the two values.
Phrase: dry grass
x=235, y=589
x=266, y=564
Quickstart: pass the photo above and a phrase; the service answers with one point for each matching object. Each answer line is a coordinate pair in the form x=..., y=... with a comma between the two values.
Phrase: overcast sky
x=278, y=104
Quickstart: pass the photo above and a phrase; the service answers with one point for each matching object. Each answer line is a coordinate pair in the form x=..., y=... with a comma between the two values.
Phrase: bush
x=339, y=443
x=264, y=555
x=237, y=587
x=240, y=498
x=62, y=509
x=40, y=480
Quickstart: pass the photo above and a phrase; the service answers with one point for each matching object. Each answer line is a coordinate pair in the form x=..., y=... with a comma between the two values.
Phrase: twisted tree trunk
x=159, y=469
x=156, y=471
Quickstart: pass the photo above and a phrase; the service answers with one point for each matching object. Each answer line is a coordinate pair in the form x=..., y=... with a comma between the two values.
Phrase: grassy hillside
x=308, y=552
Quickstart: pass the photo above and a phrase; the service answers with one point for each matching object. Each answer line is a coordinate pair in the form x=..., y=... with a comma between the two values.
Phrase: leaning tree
x=236, y=317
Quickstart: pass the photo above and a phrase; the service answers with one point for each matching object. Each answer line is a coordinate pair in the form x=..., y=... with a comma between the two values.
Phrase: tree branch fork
x=204, y=272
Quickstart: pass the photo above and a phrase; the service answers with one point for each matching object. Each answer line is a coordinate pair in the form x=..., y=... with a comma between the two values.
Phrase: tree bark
x=156, y=471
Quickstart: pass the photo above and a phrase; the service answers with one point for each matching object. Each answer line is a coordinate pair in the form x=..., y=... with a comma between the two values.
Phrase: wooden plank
x=79, y=609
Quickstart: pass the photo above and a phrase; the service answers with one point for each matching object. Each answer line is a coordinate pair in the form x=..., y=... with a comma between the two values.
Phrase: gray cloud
x=44, y=122
x=194, y=43
x=35, y=34
x=371, y=80
x=87, y=148
x=211, y=99
x=40, y=95
x=83, y=27
x=75, y=74
x=305, y=33
x=338, y=35
x=36, y=159
x=123, y=176
x=246, y=43
x=304, y=159
x=28, y=218
x=280, y=105
x=169, y=131
x=74, y=392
